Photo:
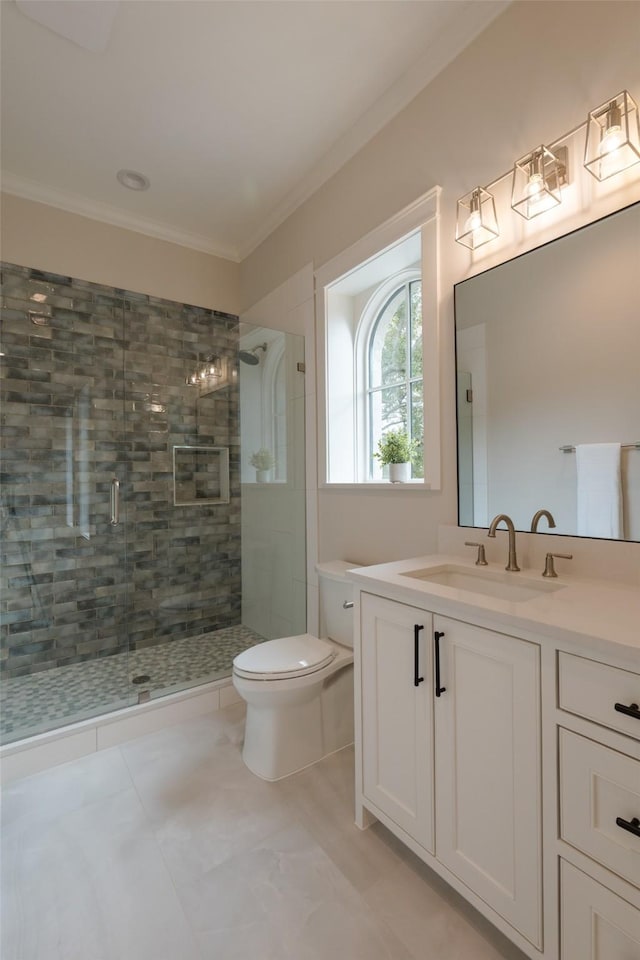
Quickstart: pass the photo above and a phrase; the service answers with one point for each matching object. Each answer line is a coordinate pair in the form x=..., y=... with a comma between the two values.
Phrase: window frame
x=420, y=217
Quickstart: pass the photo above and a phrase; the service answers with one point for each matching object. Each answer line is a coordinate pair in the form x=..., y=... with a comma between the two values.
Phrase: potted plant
x=263, y=460
x=395, y=450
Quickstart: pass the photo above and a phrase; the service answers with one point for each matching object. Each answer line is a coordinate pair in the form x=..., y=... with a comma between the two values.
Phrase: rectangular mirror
x=547, y=358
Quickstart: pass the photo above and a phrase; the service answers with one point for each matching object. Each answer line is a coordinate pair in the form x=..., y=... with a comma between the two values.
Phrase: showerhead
x=250, y=356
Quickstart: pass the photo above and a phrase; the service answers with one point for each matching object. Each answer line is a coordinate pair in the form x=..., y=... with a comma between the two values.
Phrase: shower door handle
x=115, y=501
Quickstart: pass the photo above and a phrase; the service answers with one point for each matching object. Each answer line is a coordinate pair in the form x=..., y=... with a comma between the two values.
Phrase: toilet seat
x=284, y=658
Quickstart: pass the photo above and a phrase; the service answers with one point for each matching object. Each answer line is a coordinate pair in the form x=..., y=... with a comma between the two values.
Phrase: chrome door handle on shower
x=115, y=501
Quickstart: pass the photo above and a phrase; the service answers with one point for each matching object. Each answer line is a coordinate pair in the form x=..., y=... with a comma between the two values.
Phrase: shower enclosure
x=139, y=551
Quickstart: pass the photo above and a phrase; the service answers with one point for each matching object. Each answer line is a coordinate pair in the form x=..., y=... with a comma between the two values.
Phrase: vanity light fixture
x=537, y=179
x=613, y=137
x=476, y=221
x=612, y=146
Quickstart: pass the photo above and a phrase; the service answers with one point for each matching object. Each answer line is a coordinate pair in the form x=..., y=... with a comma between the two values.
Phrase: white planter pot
x=399, y=472
x=262, y=476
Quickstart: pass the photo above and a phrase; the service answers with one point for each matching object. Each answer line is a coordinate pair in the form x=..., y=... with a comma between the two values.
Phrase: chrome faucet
x=513, y=563
x=537, y=517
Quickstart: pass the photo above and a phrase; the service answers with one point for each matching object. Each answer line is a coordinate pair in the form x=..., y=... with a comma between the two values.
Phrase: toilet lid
x=284, y=657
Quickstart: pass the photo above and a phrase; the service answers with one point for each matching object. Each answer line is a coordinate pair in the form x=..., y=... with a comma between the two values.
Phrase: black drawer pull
x=436, y=636
x=633, y=710
x=633, y=826
x=417, y=627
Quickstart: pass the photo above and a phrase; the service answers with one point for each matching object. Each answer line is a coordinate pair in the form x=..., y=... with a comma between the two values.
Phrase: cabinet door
x=397, y=734
x=488, y=779
x=596, y=924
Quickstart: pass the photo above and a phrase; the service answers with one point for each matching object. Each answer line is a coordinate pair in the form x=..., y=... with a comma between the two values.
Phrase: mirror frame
x=481, y=273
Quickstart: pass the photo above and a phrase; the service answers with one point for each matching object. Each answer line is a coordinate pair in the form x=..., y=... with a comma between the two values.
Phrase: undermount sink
x=488, y=583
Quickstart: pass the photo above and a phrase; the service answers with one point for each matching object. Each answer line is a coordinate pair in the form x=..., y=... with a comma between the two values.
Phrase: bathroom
x=488, y=117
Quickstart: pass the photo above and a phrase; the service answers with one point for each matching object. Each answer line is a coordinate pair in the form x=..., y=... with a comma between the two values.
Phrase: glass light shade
x=613, y=137
x=537, y=179
x=476, y=221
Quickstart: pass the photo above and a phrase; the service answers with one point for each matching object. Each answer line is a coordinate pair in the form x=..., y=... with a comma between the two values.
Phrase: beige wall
x=36, y=235
x=532, y=75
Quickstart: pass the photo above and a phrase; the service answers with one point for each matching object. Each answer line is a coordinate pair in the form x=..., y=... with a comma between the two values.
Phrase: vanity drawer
x=600, y=804
x=598, y=692
x=596, y=923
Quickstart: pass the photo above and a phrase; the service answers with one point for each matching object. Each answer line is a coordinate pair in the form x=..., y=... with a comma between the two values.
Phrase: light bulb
x=534, y=186
x=476, y=219
x=473, y=222
x=611, y=140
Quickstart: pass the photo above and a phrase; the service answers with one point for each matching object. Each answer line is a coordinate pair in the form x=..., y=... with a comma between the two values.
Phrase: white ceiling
x=236, y=110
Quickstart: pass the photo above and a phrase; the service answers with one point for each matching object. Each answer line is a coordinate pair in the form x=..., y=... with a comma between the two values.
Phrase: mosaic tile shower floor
x=43, y=701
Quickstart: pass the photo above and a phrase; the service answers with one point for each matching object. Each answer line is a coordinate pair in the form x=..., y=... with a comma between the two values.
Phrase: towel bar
x=568, y=448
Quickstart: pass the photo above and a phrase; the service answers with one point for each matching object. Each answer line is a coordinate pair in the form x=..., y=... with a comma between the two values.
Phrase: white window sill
x=411, y=485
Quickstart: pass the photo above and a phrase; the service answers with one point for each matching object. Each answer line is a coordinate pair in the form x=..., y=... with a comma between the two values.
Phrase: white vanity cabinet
x=498, y=736
x=472, y=741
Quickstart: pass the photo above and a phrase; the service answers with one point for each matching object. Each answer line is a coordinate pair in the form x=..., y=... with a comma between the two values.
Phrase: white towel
x=599, y=490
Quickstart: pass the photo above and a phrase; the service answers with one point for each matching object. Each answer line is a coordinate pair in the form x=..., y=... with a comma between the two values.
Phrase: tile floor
x=46, y=700
x=167, y=848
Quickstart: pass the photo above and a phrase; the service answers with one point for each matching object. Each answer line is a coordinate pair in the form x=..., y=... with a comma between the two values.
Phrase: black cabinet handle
x=631, y=711
x=633, y=826
x=436, y=636
x=417, y=627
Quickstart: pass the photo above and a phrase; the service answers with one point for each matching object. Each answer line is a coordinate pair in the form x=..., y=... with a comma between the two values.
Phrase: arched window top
x=375, y=304
x=391, y=368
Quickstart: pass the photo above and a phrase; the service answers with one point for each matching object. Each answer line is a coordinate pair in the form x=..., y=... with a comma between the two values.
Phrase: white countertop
x=605, y=615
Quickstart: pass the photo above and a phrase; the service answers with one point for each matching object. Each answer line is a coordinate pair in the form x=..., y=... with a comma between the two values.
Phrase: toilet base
x=280, y=741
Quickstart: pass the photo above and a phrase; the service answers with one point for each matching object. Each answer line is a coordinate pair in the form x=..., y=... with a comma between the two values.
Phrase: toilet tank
x=336, y=623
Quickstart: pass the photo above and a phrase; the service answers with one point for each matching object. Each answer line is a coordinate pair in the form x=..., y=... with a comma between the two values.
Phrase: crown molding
x=73, y=203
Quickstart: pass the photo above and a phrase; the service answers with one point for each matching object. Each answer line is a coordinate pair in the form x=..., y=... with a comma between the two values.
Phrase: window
x=394, y=390
x=378, y=350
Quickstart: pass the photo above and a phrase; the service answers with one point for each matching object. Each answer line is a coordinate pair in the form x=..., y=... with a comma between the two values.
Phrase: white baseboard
x=33, y=754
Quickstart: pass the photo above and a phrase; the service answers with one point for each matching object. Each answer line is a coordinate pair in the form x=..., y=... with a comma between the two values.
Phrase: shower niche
x=200, y=475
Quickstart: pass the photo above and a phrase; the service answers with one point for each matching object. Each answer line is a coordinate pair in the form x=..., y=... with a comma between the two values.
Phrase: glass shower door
x=64, y=583
x=272, y=404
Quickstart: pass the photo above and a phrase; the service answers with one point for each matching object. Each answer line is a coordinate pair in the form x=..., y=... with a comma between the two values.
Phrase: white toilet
x=299, y=690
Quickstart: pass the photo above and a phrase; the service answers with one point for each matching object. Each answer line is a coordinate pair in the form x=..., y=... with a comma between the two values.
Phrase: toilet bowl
x=299, y=689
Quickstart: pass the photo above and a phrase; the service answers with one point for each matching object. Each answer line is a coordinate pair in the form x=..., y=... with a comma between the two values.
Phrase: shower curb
x=34, y=754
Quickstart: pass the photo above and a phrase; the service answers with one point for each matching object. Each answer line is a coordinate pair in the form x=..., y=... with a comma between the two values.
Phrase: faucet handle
x=549, y=569
x=481, y=560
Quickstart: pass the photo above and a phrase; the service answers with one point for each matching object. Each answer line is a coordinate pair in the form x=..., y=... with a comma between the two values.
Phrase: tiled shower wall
x=94, y=388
